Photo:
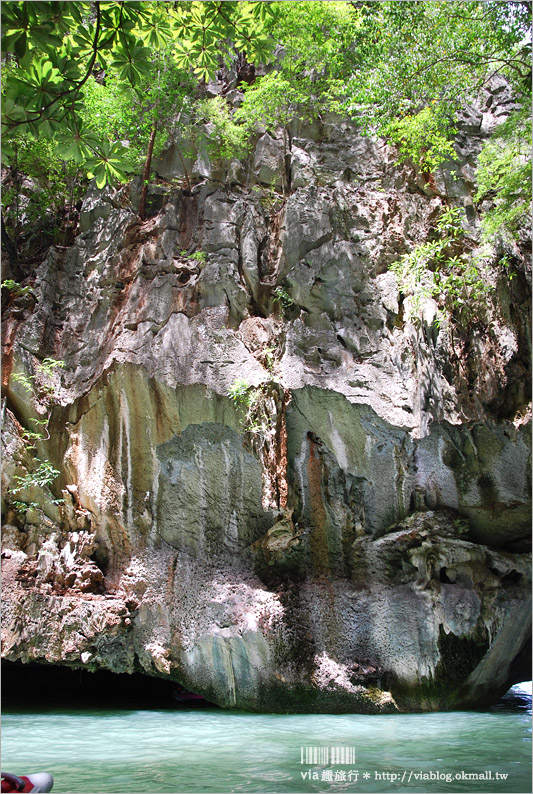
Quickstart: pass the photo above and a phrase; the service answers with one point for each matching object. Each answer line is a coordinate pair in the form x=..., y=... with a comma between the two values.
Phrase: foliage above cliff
x=504, y=175
x=434, y=58
x=58, y=47
x=106, y=82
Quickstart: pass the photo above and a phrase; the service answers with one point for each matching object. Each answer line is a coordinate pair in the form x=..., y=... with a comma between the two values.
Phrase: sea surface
x=210, y=750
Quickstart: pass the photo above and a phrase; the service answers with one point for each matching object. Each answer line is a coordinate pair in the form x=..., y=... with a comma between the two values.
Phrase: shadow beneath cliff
x=45, y=686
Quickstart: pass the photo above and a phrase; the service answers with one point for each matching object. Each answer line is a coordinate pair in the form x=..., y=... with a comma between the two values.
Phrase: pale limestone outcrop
x=362, y=547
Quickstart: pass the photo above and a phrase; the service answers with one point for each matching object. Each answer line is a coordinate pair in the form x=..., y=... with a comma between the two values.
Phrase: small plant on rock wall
x=439, y=270
x=197, y=256
x=251, y=400
x=41, y=477
x=283, y=299
x=44, y=473
x=16, y=289
x=268, y=358
x=506, y=264
x=270, y=200
x=22, y=507
x=503, y=177
x=239, y=391
x=39, y=381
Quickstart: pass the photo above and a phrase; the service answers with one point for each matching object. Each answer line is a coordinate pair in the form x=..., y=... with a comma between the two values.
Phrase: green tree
x=504, y=177
x=226, y=137
x=57, y=47
x=436, y=56
x=157, y=99
x=42, y=390
x=443, y=269
x=406, y=70
x=42, y=208
x=402, y=69
x=316, y=53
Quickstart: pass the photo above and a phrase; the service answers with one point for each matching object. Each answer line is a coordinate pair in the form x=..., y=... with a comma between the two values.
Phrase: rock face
x=353, y=536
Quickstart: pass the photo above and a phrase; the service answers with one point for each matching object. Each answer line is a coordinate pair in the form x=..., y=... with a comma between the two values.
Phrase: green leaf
x=203, y=72
x=11, y=110
x=20, y=44
x=131, y=62
x=8, y=152
x=84, y=39
x=109, y=165
x=77, y=142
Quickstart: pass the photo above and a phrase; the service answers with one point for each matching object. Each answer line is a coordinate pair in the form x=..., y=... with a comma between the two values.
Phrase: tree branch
x=78, y=85
x=146, y=172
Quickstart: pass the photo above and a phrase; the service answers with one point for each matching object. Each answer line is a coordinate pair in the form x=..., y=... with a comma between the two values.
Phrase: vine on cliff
x=43, y=473
x=263, y=410
x=442, y=270
x=252, y=401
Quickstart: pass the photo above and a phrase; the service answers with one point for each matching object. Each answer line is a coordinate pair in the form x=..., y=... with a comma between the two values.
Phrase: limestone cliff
x=359, y=542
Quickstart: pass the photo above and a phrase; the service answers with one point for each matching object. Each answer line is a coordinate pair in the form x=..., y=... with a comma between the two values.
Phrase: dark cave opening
x=51, y=686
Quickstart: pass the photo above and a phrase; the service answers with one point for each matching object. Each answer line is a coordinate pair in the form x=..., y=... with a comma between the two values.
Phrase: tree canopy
x=104, y=82
x=58, y=47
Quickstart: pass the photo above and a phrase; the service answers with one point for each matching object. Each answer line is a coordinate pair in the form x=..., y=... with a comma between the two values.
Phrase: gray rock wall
x=359, y=544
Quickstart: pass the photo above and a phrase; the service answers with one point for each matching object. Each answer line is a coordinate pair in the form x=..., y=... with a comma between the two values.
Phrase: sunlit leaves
x=57, y=45
x=270, y=103
x=422, y=53
x=108, y=165
x=136, y=12
x=156, y=31
x=225, y=138
x=259, y=48
x=200, y=29
x=43, y=75
x=319, y=42
x=84, y=40
x=423, y=138
x=130, y=61
x=504, y=177
x=76, y=142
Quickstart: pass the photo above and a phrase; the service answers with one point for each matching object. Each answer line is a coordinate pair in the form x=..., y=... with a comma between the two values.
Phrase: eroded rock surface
x=360, y=544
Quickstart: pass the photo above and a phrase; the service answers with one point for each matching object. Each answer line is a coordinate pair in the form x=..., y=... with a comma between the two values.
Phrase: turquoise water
x=112, y=751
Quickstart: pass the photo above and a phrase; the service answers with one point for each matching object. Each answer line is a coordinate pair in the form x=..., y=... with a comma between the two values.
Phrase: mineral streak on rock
x=364, y=548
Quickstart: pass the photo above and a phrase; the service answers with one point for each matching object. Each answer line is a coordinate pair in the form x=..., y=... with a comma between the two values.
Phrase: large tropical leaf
x=77, y=142
x=109, y=165
x=131, y=62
